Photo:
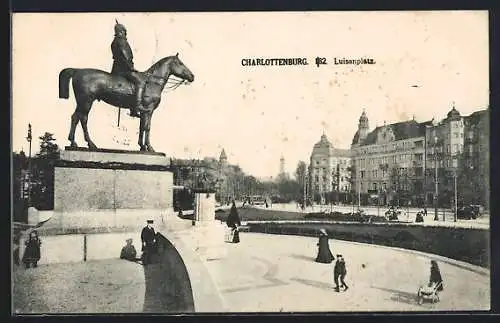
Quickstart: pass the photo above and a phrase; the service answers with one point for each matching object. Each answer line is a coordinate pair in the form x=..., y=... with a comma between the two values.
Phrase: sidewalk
x=263, y=273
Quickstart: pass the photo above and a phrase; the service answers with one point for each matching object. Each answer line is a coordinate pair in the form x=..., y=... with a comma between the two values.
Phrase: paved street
x=262, y=273
x=482, y=222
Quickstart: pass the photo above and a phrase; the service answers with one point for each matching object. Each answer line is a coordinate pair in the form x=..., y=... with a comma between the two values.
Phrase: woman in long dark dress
x=435, y=277
x=325, y=255
x=32, y=252
x=233, y=221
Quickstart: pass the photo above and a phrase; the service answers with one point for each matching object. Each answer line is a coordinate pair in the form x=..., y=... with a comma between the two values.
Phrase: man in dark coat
x=148, y=238
x=339, y=273
x=123, y=64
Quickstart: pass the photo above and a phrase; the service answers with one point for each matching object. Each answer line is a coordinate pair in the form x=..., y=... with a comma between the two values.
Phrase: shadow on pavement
x=168, y=287
x=302, y=257
x=313, y=283
x=400, y=296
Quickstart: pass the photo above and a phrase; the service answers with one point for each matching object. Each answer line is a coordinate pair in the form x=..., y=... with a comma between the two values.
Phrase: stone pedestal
x=111, y=189
x=208, y=234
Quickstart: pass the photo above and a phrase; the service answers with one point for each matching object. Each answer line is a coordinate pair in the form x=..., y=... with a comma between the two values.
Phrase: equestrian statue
x=124, y=87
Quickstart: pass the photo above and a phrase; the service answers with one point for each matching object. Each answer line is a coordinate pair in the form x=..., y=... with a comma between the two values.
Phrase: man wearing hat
x=339, y=272
x=148, y=237
x=123, y=64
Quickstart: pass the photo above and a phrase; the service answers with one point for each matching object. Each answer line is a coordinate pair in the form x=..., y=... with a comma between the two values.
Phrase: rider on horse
x=123, y=65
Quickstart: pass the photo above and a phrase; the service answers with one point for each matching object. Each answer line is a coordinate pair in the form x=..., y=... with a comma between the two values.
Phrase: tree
x=300, y=171
x=470, y=187
x=48, y=147
x=351, y=178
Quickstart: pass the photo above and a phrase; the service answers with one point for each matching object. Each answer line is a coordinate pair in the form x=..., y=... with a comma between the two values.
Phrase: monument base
x=111, y=189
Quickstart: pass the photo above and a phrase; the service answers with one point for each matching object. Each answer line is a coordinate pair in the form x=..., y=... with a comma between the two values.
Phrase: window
x=317, y=162
x=455, y=134
x=316, y=178
x=375, y=186
x=362, y=174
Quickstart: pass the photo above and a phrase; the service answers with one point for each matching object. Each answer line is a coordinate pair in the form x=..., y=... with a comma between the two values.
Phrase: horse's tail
x=64, y=76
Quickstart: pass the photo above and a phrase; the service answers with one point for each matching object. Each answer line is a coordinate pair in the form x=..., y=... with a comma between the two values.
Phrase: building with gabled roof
x=329, y=168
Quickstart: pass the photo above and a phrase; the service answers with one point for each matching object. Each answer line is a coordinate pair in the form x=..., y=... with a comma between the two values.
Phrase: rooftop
x=325, y=147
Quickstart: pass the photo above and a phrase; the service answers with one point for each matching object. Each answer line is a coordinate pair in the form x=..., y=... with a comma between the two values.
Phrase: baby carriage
x=429, y=292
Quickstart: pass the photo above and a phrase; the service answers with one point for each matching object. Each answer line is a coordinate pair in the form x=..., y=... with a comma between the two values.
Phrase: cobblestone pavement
x=278, y=273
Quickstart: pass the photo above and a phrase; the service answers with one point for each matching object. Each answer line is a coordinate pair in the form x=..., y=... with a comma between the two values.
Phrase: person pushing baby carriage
x=432, y=289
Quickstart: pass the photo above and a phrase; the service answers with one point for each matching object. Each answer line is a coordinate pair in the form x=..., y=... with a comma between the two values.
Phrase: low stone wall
x=464, y=244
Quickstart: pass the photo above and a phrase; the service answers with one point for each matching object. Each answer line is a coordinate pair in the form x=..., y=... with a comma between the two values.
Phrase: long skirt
x=236, y=236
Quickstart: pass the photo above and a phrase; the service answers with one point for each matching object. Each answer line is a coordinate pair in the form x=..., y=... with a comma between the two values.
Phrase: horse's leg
x=75, y=118
x=147, y=131
x=84, y=116
x=141, y=132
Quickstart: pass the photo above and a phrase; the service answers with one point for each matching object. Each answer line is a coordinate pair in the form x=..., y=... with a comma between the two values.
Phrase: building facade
x=458, y=146
x=402, y=162
x=329, y=169
x=388, y=161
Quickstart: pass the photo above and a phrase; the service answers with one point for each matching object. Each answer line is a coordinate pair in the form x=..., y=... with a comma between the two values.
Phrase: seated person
x=128, y=251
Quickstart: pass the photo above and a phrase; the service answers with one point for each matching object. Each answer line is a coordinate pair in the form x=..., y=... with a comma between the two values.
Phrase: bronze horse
x=93, y=84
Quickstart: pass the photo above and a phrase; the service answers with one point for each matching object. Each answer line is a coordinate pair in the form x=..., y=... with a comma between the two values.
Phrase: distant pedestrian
x=339, y=273
x=128, y=251
x=32, y=252
x=148, y=238
x=233, y=221
x=419, y=217
x=425, y=211
x=325, y=255
x=267, y=205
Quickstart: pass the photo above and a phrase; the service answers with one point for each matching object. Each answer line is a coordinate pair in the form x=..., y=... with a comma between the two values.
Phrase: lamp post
x=456, y=204
x=436, y=218
x=29, y=138
x=359, y=193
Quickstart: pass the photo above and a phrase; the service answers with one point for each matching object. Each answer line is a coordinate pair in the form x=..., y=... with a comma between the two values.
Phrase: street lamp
x=29, y=138
x=456, y=204
x=436, y=218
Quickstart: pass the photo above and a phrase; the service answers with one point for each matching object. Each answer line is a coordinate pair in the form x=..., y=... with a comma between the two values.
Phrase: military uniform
x=123, y=64
x=148, y=238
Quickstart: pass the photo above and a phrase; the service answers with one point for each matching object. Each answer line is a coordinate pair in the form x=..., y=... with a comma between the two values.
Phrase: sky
x=424, y=62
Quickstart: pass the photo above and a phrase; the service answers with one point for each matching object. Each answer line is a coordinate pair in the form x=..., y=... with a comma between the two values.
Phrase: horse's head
x=180, y=70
